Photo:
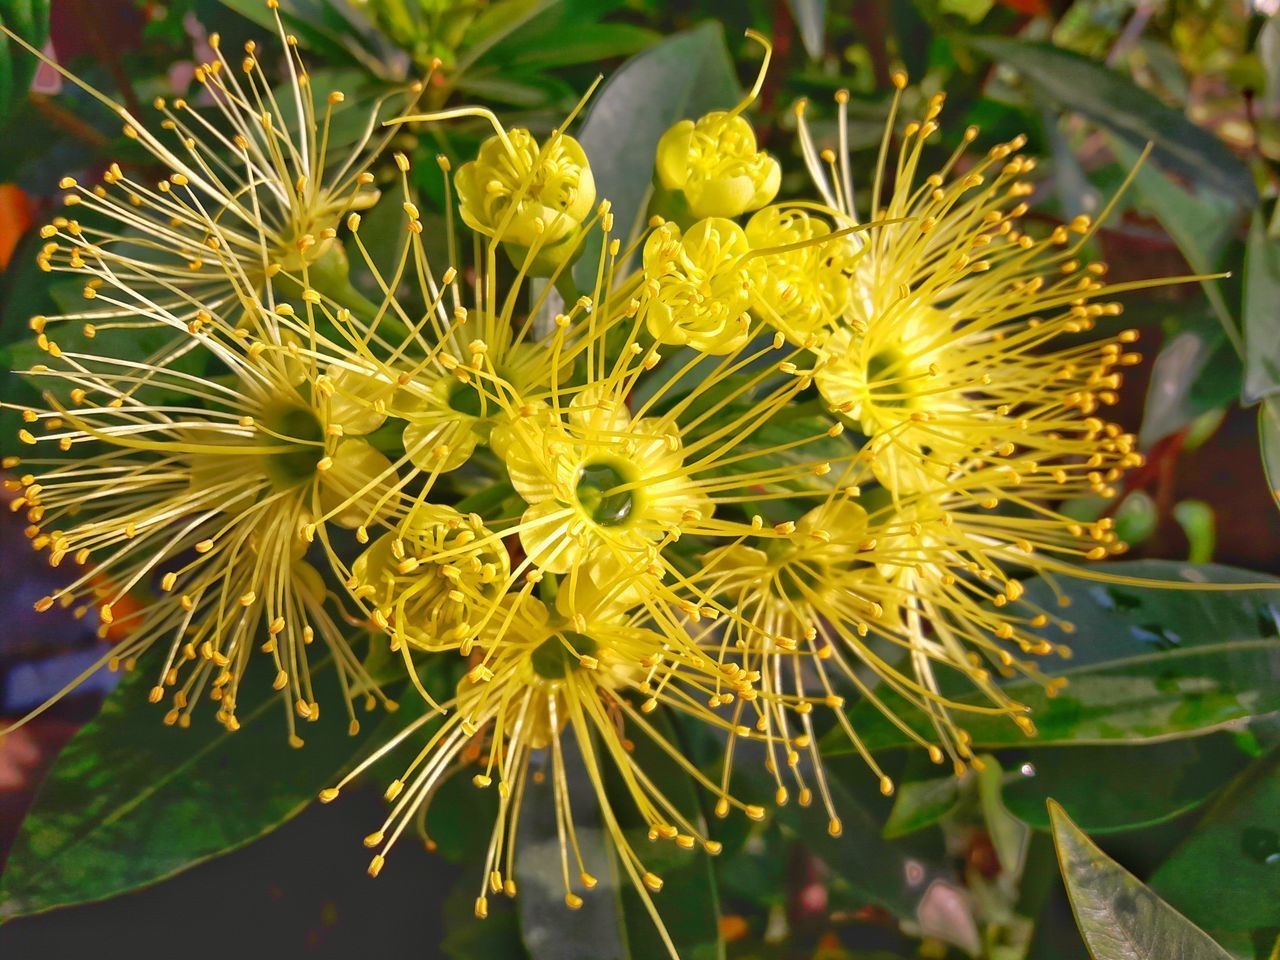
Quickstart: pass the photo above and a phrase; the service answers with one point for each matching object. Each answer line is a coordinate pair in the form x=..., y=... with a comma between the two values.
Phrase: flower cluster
x=765, y=458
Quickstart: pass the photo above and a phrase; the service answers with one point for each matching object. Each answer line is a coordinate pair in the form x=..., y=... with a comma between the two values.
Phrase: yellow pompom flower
x=713, y=164
x=248, y=191
x=213, y=488
x=950, y=353
x=696, y=285
x=906, y=594
x=575, y=679
x=602, y=488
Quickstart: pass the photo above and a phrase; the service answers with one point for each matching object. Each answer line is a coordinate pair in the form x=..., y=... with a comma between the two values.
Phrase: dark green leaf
x=811, y=20
x=1269, y=442
x=1089, y=88
x=1108, y=789
x=132, y=801
x=1201, y=222
x=1149, y=663
x=467, y=937
x=1261, y=313
x=336, y=33
x=689, y=901
x=1226, y=875
x=586, y=43
x=1009, y=837
x=685, y=75
x=613, y=921
x=921, y=803
x=29, y=19
x=874, y=870
x=1119, y=917
x=1196, y=370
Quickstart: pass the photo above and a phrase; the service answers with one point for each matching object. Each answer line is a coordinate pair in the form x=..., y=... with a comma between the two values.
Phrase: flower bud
x=697, y=285
x=801, y=291
x=526, y=195
x=714, y=165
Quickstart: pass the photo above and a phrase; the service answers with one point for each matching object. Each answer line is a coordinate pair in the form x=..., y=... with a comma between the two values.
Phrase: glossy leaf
x=131, y=801
x=1261, y=312
x=874, y=870
x=811, y=20
x=1119, y=917
x=685, y=75
x=1196, y=370
x=1110, y=789
x=689, y=901
x=1201, y=222
x=1269, y=442
x=1113, y=101
x=1009, y=836
x=613, y=922
x=29, y=19
x=550, y=929
x=336, y=33
x=1226, y=875
x=921, y=803
x=1149, y=664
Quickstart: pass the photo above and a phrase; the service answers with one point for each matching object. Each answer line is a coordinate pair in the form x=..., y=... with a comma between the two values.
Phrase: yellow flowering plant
x=769, y=464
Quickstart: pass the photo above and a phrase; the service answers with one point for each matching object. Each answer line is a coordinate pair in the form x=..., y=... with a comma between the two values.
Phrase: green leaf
x=689, y=901
x=1201, y=222
x=1261, y=313
x=29, y=19
x=467, y=937
x=1111, y=789
x=685, y=75
x=1119, y=917
x=1196, y=370
x=1226, y=875
x=1150, y=664
x=1009, y=837
x=1089, y=88
x=874, y=870
x=131, y=801
x=335, y=32
x=811, y=20
x=921, y=803
x=1269, y=442
x=613, y=921
x=550, y=930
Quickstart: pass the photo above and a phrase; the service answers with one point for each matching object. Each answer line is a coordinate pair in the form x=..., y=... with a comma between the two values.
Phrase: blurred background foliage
x=1164, y=749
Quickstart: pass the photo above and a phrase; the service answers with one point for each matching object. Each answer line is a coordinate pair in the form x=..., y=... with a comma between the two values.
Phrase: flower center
x=597, y=493
x=557, y=656
x=289, y=422
x=465, y=399
x=886, y=365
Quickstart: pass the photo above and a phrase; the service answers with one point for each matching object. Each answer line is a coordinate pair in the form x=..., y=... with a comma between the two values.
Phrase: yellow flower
x=248, y=192
x=212, y=489
x=530, y=196
x=803, y=288
x=575, y=680
x=952, y=352
x=714, y=165
x=913, y=595
x=432, y=581
x=602, y=488
x=697, y=287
